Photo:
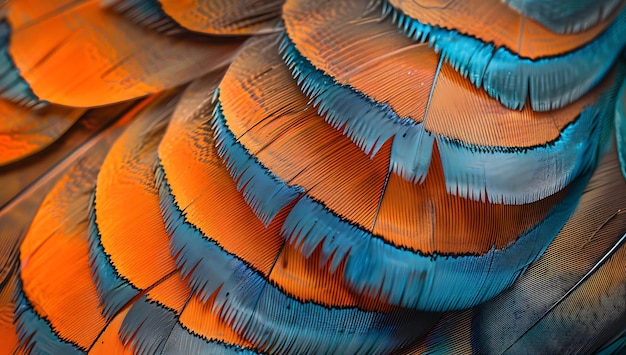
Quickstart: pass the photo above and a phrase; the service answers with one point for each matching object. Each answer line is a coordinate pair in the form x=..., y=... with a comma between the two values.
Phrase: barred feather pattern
x=312, y=176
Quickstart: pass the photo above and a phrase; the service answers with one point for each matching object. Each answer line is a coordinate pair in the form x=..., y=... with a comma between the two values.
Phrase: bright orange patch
x=85, y=55
x=128, y=214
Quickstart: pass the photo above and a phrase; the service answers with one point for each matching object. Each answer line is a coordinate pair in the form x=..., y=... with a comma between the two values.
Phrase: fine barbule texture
x=312, y=176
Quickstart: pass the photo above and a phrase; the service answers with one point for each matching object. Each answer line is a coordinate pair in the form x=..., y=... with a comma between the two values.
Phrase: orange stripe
x=198, y=179
x=109, y=341
x=305, y=280
x=357, y=50
x=224, y=17
x=128, y=215
x=493, y=21
x=459, y=110
x=54, y=257
x=86, y=56
x=172, y=293
x=425, y=217
x=24, y=132
x=270, y=117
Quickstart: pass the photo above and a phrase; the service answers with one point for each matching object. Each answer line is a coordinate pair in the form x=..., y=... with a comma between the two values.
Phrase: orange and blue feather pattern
x=313, y=176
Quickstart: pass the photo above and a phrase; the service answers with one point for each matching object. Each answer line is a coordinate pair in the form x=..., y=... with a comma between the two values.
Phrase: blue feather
x=265, y=193
x=372, y=266
x=548, y=83
x=264, y=314
x=369, y=124
x=483, y=173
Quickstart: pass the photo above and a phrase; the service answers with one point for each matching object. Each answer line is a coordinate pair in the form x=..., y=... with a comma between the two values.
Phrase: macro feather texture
x=313, y=176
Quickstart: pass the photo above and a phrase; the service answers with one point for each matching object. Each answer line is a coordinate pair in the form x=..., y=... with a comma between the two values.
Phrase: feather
x=349, y=199
x=369, y=176
x=24, y=132
x=19, y=175
x=513, y=76
x=151, y=290
x=382, y=108
x=265, y=290
x=492, y=21
x=80, y=55
x=57, y=241
x=569, y=301
x=16, y=216
x=126, y=178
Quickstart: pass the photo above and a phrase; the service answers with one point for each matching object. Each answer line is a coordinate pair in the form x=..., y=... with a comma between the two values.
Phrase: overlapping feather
x=320, y=192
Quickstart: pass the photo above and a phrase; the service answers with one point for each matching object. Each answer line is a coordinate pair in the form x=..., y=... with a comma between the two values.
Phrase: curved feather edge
x=147, y=13
x=16, y=216
x=266, y=316
x=114, y=290
x=369, y=124
x=151, y=328
x=481, y=173
x=587, y=257
x=35, y=329
x=12, y=86
x=548, y=83
x=379, y=269
x=35, y=333
x=266, y=193
x=411, y=279
x=112, y=41
x=565, y=16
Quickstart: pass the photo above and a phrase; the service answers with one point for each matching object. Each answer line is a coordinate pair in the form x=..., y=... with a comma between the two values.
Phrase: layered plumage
x=313, y=176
